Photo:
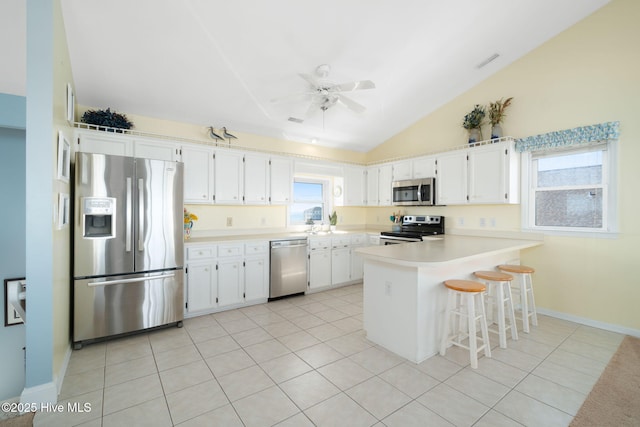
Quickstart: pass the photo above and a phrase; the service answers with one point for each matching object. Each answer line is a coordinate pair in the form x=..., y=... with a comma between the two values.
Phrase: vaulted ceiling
x=238, y=64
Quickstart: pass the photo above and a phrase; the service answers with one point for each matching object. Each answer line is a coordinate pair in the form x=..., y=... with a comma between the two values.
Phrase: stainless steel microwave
x=414, y=192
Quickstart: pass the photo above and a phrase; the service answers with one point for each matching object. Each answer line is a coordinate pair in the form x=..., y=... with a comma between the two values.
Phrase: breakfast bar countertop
x=439, y=250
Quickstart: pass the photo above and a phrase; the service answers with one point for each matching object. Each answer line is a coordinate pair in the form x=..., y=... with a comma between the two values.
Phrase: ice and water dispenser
x=98, y=217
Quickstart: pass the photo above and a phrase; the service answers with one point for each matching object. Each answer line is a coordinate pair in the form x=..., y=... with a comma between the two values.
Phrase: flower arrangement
x=473, y=120
x=188, y=222
x=189, y=217
x=497, y=110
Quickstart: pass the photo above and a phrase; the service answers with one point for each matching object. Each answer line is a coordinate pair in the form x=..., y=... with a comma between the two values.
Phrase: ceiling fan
x=325, y=93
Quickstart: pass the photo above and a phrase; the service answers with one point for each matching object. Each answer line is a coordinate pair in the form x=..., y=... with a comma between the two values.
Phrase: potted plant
x=107, y=118
x=473, y=123
x=497, y=115
x=333, y=220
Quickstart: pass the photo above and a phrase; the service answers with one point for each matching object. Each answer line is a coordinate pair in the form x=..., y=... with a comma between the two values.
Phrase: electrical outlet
x=387, y=288
x=460, y=220
x=263, y=221
x=483, y=222
x=492, y=222
x=229, y=221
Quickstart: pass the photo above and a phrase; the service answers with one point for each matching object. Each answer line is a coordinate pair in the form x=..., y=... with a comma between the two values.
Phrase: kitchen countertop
x=444, y=249
x=275, y=236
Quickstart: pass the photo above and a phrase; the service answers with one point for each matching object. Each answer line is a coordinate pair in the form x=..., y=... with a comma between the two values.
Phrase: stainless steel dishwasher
x=288, y=267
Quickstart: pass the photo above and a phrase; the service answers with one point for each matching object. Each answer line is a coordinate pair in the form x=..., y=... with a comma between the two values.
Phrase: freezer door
x=114, y=305
x=158, y=215
x=102, y=240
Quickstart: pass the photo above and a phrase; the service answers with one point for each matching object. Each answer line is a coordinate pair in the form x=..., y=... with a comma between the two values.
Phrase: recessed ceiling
x=221, y=63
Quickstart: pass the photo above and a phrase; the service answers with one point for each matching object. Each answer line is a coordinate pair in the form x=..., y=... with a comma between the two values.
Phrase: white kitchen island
x=404, y=298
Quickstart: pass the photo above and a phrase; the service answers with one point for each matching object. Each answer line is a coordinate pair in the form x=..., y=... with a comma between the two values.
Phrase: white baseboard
x=59, y=377
x=40, y=394
x=590, y=322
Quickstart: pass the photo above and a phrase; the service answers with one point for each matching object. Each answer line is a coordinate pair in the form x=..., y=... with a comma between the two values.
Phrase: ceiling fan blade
x=294, y=97
x=350, y=86
x=351, y=104
x=313, y=108
x=309, y=79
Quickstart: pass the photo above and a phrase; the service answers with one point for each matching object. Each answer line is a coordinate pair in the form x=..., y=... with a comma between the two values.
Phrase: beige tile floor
x=305, y=361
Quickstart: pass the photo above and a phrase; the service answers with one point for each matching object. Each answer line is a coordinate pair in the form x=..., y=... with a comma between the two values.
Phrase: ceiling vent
x=295, y=120
x=488, y=60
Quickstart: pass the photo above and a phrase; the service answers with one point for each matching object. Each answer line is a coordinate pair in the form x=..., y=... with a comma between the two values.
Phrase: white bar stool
x=527, y=301
x=499, y=294
x=463, y=299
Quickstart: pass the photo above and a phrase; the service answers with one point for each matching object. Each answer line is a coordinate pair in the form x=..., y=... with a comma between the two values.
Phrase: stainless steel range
x=413, y=229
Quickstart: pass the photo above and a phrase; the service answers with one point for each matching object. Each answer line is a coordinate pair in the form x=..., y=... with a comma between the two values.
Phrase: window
x=309, y=201
x=569, y=189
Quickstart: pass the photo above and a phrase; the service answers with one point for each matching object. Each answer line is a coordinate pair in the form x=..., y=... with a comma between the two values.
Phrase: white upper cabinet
x=424, y=167
x=256, y=179
x=451, y=181
x=228, y=177
x=372, y=187
x=281, y=180
x=156, y=149
x=198, y=173
x=102, y=142
x=493, y=173
x=354, y=186
x=385, y=174
x=486, y=174
x=379, y=185
x=402, y=170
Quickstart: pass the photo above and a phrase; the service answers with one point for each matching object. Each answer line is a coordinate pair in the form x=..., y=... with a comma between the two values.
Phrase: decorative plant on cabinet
x=497, y=115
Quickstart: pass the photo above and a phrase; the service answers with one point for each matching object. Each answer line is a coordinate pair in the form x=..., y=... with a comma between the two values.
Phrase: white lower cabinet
x=256, y=278
x=319, y=268
x=340, y=259
x=256, y=271
x=224, y=276
x=230, y=282
x=340, y=265
x=202, y=286
x=319, y=262
x=333, y=261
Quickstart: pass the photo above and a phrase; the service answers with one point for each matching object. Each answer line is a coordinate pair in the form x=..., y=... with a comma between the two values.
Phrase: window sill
x=572, y=233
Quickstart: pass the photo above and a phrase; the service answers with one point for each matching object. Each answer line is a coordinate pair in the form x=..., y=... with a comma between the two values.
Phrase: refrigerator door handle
x=129, y=215
x=138, y=279
x=140, y=214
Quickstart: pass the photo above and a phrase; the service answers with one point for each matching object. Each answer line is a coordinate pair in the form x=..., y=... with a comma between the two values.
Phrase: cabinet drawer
x=341, y=241
x=201, y=252
x=256, y=248
x=230, y=250
x=319, y=242
x=358, y=239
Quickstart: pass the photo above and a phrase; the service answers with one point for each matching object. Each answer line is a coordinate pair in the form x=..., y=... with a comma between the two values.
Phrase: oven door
x=394, y=240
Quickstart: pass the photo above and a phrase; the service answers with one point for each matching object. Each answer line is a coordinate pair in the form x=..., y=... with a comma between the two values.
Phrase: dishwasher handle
x=288, y=244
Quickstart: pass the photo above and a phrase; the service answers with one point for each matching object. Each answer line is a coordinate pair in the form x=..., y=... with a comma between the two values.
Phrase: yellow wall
x=61, y=238
x=588, y=74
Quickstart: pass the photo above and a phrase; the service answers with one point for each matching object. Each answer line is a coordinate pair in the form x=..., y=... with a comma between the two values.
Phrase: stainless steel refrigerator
x=128, y=245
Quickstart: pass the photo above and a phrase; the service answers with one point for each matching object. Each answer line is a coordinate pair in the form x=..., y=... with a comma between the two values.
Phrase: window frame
x=326, y=198
x=609, y=191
